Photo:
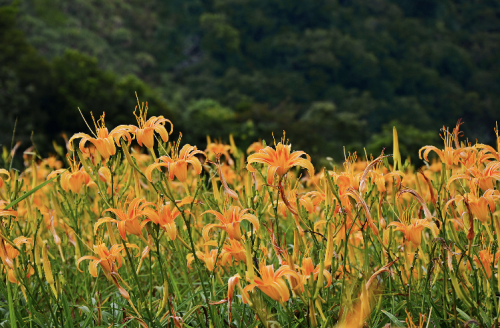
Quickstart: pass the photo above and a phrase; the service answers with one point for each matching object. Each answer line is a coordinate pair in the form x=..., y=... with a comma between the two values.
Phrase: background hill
x=333, y=73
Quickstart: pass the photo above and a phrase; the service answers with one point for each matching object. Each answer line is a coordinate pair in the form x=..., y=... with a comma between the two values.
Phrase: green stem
x=13, y=322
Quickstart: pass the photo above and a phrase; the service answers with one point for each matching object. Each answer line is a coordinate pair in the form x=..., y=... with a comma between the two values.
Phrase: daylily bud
x=47, y=269
x=296, y=245
x=397, y=155
x=249, y=261
x=382, y=223
x=321, y=277
x=329, y=245
x=215, y=189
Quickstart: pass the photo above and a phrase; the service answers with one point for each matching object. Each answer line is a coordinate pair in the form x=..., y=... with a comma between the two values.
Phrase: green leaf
x=67, y=312
x=464, y=315
x=393, y=319
x=32, y=191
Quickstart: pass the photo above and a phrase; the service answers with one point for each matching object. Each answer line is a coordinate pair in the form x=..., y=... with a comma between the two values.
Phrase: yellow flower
x=279, y=161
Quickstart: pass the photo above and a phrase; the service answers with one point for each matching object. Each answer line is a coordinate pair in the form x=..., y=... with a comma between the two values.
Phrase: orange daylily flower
x=484, y=179
x=104, y=141
x=4, y=171
x=411, y=228
x=208, y=257
x=485, y=259
x=235, y=250
x=230, y=221
x=231, y=283
x=255, y=147
x=128, y=220
x=177, y=163
x=9, y=253
x=164, y=216
x=271, y=283
x=53, y=162
x=279, y=161
x=9, y=212
x=448, y=155
x=291, y=197
x=216, y=148
x=482, y=206
x=144, y=133
x=107, y=259
x=74, y=178
x=308, y=268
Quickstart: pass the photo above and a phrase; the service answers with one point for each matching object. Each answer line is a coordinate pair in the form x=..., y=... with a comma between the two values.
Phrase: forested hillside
x=332, y=72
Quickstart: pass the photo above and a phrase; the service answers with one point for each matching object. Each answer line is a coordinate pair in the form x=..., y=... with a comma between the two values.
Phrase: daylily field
x=128, y=228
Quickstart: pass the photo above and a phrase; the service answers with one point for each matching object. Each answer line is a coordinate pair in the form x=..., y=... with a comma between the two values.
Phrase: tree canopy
x=333, y=73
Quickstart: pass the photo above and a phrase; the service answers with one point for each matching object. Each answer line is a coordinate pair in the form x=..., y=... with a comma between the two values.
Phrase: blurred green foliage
x=333, y=73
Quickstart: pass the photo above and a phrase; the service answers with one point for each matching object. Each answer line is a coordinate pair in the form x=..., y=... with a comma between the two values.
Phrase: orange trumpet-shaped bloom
x=484, y=261
x=291, y=196
x=144, y=133
x=272, y=283
x=5, y=172
x=279, y=161
x=308, y=268
x=448, y=155
x=411, y=228
x=216, y=148
x=72, y=179
x=235, y=250
x=128, y=221
x=104, y=141
x=177, y=163
x=164, y=216
x=230, y=221
x=482, y=206
x=9, y=253
x=107, y=259
x=9, y=212
x=231, y=283
x=210, y=258
x=255, y=147
x=484, y=179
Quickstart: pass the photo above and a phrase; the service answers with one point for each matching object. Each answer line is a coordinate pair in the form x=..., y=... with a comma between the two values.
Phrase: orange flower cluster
x=219, y=219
